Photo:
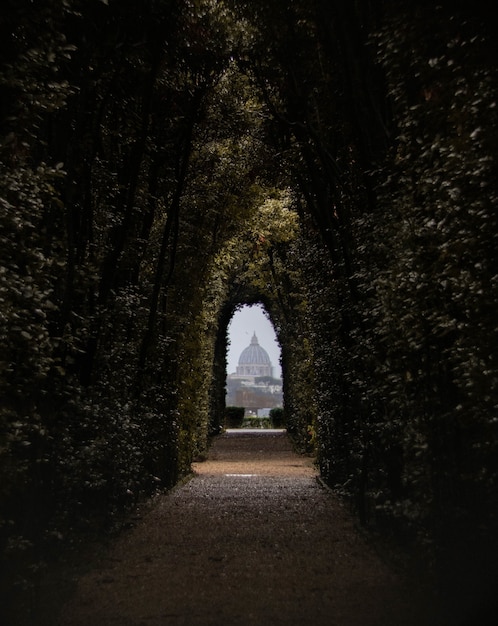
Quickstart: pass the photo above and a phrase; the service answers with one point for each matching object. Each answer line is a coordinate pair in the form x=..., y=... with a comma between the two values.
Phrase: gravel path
x=252, y=538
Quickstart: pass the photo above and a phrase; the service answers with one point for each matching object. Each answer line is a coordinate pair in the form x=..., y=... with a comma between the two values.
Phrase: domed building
x=252, y=385
x=254, y=360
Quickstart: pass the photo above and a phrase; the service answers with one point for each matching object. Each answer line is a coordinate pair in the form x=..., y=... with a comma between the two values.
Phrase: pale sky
x=244, y=323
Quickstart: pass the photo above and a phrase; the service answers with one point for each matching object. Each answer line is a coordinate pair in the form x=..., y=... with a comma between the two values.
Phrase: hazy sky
x=240, y=330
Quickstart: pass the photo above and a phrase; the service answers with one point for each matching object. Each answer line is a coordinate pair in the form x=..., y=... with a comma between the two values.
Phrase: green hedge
x=234, y=416
x=277, y=417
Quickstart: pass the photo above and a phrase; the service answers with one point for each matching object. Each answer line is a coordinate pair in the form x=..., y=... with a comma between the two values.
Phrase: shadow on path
x=252, y=538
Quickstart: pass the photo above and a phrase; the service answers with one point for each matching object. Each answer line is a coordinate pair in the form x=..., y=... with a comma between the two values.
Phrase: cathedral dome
x=254, y=360
x=254, y=354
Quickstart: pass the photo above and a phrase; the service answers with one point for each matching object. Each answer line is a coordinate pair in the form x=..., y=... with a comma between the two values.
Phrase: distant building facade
x=252, y=385
x=254, y=361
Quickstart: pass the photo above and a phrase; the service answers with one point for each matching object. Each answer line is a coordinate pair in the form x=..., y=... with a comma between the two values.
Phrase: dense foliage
x=234, y=416
x=164, y=163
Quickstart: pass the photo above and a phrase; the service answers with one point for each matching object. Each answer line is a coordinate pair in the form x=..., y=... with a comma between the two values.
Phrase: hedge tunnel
x=165, y=162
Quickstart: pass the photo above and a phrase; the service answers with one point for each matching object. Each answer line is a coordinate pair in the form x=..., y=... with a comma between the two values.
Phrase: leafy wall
x=164, y=163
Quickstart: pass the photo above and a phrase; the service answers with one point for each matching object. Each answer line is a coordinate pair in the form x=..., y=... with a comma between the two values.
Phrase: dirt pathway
x=252, y=539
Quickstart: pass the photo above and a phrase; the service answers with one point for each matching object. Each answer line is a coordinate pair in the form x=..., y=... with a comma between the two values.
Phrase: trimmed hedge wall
x=234, y=416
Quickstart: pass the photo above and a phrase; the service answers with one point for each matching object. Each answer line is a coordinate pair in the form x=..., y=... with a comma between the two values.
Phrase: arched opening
x=233, y=155
x=246, y=320
x=253, y=365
